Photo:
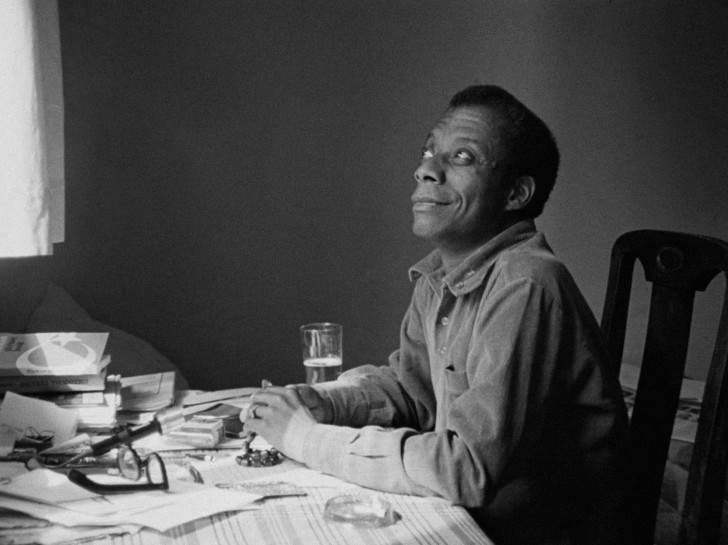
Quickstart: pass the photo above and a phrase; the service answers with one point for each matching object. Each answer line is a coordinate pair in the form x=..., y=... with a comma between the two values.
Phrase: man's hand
x=280, y=416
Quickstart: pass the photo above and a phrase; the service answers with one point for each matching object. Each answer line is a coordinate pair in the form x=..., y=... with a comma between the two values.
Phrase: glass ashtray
x=360, y=510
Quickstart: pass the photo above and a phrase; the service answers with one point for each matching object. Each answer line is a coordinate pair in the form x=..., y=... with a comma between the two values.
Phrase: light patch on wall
x=31, y=134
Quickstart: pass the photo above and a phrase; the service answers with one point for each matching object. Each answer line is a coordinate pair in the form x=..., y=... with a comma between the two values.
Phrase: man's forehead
x=469, y=122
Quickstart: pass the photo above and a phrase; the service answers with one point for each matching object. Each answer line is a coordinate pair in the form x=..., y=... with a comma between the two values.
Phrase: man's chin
x=424, y=230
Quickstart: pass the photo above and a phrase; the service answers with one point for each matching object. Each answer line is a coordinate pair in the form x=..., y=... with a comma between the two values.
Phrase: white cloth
x=31, y=133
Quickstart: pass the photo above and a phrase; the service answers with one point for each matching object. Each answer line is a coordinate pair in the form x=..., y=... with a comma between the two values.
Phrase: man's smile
x=424, y=203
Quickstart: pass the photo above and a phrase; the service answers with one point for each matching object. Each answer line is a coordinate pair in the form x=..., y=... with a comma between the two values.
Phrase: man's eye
x=462, y=157
x=427, y=154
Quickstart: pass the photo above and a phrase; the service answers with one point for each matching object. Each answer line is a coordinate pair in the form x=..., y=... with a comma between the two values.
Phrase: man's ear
x=521, y=193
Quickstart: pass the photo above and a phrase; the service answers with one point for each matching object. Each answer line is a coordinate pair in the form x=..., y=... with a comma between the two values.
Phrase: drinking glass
x=322, y=351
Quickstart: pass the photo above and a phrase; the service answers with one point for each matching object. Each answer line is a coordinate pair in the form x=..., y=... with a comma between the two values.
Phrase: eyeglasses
x=131, y=466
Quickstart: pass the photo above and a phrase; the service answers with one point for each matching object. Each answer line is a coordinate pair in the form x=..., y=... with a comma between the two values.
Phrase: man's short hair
x=527, y=145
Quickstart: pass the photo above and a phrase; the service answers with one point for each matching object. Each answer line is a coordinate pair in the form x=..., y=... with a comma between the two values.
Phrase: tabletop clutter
x=71, y=434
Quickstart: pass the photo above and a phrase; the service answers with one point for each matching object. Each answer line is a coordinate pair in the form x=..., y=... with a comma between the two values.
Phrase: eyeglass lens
x=156, y=473
x=132, y=467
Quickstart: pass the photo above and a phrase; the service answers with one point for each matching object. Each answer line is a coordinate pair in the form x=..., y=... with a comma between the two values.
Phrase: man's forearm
x=365, y=395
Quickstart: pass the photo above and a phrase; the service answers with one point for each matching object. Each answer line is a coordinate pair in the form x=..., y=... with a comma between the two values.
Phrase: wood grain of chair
x=677, y=265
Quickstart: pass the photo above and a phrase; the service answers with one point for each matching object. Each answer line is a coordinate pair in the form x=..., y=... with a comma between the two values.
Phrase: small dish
x=360, y=510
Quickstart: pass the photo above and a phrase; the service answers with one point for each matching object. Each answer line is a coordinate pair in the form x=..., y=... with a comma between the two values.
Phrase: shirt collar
x=469, y=274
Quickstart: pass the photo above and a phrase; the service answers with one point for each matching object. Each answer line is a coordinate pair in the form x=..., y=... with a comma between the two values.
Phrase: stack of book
x=68, y=369
x=142, y=396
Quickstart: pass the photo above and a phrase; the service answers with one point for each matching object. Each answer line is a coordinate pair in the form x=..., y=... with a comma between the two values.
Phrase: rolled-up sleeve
x=399, y=394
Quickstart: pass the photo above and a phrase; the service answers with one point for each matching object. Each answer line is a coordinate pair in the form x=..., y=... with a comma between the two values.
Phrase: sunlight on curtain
x=31, y=130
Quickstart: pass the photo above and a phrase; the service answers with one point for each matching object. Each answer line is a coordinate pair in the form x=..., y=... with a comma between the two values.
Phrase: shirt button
x=459, y=285
x=442, y=351
x=445, y=320
x=470, y=273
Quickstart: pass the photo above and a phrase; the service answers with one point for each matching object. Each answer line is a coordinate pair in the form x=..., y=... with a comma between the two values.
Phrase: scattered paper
x=8, y=470
x=202, y=503
x=46, y=486
x=53, y=513
x=309, y=478
x=147, y=392
x=196, y=397
x=7, y=440
x=48, y=495
x=228, y=472
x=35, y=419
x=60, y=535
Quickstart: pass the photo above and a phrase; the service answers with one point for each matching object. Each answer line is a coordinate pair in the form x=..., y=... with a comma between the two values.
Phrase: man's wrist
x=294, y=441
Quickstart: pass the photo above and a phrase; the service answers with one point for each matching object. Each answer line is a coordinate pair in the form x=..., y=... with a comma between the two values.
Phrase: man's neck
x=454, y=255
x=451, y=260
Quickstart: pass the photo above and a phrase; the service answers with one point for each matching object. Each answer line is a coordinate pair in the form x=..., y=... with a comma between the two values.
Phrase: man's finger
x=278, y=398
x=265, y=397
x=253, y=425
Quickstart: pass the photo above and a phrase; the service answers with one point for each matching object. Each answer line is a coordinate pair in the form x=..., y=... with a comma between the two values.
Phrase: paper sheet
x=228, y=471
x=45, y=486
x=147, y=392
x=50, y=496
x=27, y=415
x=187, y=398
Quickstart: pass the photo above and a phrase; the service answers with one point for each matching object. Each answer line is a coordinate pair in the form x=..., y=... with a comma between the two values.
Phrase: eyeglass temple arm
x=78, y=478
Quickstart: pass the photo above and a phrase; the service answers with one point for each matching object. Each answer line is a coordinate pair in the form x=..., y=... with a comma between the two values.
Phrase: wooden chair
x=677, y=265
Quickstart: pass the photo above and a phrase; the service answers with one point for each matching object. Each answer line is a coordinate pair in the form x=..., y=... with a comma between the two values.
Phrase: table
x=300, y=521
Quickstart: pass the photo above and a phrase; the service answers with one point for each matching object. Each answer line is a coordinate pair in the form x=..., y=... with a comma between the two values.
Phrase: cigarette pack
x=199, y=433
x=229, y=415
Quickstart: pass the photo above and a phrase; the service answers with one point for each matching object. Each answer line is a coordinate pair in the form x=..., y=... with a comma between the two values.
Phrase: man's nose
x=430, y=170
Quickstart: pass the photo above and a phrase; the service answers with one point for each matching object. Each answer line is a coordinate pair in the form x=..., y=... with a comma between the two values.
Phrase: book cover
x=72, y=399
x=36, y=384
x=46, y=354
x=111, y=395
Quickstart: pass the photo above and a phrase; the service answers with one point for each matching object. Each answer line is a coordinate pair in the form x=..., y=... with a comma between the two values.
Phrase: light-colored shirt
x=500, y=398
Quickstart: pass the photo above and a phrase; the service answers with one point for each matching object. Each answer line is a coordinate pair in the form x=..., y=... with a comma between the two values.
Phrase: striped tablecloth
x=300, y=521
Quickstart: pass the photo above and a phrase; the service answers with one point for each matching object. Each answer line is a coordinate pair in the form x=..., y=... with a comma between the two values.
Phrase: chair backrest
x=677, y=265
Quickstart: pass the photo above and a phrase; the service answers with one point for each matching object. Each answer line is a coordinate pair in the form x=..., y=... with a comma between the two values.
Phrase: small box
x=199, y=433
x=229, y=415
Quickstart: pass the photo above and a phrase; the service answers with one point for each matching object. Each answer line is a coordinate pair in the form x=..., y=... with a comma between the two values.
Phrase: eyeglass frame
x=80, y=479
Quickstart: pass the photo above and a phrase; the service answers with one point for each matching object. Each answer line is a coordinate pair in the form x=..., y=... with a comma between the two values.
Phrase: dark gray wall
x=237, y=168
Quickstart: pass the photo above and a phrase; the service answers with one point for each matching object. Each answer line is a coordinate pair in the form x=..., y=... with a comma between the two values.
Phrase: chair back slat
x=710, y=454
x=677, y=265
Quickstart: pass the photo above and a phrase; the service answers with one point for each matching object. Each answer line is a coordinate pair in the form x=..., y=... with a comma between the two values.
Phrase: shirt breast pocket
x=456, y=382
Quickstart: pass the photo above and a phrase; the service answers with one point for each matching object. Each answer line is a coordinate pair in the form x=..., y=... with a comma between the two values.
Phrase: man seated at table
x=500, y=397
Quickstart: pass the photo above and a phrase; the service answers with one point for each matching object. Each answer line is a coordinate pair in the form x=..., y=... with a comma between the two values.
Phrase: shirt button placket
x=444, y=320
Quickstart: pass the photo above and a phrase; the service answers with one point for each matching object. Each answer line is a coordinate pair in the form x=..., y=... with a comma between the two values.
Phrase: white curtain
x=31, y=128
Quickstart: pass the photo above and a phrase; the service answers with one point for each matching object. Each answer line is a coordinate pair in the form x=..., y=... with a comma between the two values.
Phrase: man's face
x=459, y=201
